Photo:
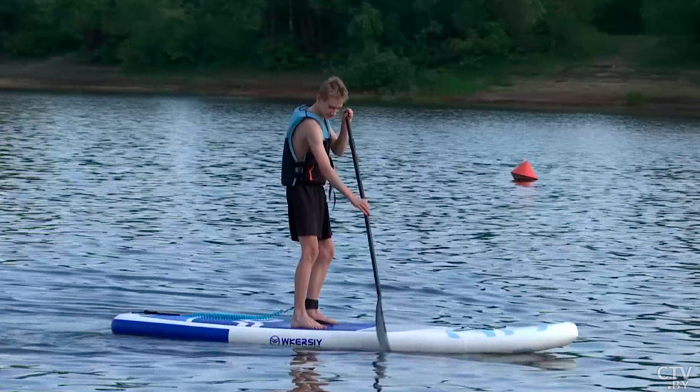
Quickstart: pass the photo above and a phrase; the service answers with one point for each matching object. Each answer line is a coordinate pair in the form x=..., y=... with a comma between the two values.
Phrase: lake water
x=111, y=204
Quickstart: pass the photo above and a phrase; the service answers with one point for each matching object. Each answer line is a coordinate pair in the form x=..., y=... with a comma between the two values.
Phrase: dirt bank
x=605, y=86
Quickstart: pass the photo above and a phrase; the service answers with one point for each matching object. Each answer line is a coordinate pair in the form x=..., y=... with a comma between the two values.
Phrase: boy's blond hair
x=333, y=87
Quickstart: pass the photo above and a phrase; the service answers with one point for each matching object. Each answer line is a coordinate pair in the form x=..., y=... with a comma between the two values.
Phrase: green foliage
x=677, y=23
x=160, y=33
x=619, y=17
x=284, y=53
x=566, y=29
x=225, y=31
x=381, y=71
x=380, y=44
x=442, y=82
x=635, y=98
x=518, y=17
x=492, y=40
x=672, y=17
x=366, y=27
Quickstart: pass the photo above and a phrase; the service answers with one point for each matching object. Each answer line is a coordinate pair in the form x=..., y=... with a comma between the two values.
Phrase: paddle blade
x=381, y=329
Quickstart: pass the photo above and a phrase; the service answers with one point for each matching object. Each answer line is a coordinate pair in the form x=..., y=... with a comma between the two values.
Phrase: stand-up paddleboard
x=273, y=330
x=277, y=331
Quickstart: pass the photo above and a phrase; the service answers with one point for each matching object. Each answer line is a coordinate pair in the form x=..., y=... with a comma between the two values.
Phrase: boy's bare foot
x=318, y=316
x=306, y=322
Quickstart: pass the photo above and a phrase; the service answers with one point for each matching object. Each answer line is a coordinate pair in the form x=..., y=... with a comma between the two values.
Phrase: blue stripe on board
x=489, y=333
x=176, y=317
x=169, y=331
x=237, y=316
x=337, y=327
x=282, y=323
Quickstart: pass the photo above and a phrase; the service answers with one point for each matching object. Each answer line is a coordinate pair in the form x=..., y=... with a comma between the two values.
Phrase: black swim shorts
x=308, y=212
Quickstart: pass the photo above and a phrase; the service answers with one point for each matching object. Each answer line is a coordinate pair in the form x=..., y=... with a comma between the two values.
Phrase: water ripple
x=119, y=203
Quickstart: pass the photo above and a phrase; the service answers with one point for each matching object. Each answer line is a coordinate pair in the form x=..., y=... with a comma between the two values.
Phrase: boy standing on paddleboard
x=306, y=166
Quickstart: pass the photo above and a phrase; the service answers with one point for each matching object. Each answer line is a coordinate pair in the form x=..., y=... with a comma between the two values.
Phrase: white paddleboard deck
x=349, y=336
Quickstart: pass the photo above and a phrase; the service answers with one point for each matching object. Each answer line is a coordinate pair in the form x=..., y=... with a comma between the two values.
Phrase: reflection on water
x=115, y=203
x=379, y=366
x=316, y=371
x=304, y=374
x=544, y=361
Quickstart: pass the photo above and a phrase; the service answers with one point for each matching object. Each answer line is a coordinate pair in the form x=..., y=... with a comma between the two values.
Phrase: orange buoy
x=524, y=172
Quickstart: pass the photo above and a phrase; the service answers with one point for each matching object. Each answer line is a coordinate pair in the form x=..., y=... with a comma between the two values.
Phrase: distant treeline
x=384, y=41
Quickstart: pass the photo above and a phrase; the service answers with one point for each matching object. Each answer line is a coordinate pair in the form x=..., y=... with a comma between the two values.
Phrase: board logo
x=277, y=341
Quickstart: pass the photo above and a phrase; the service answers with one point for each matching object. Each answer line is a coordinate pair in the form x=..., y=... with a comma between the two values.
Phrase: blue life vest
x=306, y=171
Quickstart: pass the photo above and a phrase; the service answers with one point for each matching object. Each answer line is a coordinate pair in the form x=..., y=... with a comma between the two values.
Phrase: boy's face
x=331, y=106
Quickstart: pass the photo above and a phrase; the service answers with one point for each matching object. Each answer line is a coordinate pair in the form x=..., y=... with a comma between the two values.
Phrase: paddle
x=381, y=327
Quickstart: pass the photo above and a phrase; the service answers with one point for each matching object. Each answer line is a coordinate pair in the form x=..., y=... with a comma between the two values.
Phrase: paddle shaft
x=381, y=327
